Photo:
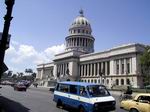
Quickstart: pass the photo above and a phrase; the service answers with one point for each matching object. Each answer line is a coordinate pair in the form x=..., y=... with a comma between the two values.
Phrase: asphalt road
x=33, y=100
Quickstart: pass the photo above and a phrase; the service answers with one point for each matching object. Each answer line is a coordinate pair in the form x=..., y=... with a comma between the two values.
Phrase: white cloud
x=54, y=50
x=20, y=56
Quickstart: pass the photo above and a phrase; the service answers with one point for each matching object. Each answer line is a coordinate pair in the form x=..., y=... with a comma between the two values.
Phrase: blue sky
x=39, y=27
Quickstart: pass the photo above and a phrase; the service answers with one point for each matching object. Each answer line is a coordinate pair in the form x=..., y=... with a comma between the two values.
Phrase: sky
x=39, y=27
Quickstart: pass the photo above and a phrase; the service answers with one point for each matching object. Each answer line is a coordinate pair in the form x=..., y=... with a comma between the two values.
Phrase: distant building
x=115, y=66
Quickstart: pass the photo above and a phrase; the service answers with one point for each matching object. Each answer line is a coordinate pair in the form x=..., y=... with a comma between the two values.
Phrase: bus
x=86, y=97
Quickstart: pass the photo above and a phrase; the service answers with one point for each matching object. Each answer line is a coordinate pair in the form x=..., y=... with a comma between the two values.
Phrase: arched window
x=128, y=81
x=88, y=80
x=83, y=31
x=122, y=81
x=95, y=81
x=107, y=81
x=98, y=80
x=78, y=30
x=103, y=81
x=92, y=80
x=86, y=31
x=117, y=82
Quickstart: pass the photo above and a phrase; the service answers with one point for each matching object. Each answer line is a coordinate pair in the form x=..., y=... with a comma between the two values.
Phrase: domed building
x=117, y=66
x=80, y=37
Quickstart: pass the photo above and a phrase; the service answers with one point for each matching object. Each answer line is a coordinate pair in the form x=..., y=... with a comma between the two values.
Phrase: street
x=33, y=100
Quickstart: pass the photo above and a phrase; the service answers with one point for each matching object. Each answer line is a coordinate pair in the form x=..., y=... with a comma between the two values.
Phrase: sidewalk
x=118, y=93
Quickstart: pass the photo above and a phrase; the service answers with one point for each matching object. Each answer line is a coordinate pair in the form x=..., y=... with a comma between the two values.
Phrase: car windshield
x=97, y=91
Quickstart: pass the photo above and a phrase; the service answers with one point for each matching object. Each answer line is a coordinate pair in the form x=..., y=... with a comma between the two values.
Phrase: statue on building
x=67, y=72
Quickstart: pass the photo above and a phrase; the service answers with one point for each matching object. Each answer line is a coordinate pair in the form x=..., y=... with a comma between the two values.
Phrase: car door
x=143, y=103
x=73, y=96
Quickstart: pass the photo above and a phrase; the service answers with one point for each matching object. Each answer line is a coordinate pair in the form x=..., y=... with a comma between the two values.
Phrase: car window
x=73, y=89
x=144, y=99
x=83, y=91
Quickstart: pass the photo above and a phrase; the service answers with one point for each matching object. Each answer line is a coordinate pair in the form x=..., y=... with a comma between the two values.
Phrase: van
x=86, y=97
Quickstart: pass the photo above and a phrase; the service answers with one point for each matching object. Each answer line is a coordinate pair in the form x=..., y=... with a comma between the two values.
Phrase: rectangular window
x=100, y=68
x=80, y=70
x=86, y=69
x=73, y=89
x=117, y=66
x=89, y=69
x=108, y=68
x=95, y=68
x=128, y=65
x=82, y=91
x=92, y=69
x=103, y=68
x=122, y=66
x=63, y=88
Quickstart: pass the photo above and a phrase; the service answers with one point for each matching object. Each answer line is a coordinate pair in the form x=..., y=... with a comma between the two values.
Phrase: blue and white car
x=86, y=97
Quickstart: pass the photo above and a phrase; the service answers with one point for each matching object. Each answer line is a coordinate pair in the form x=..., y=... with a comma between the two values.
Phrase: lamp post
x=7, y=18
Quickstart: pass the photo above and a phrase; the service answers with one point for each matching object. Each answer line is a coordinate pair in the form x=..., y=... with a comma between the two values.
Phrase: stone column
x=94, y=69
x=119, y=66
x=130, y=60
x=83, y=41
x=42, y=73
x=106, y=68
x=125, y=66
x=81, y=70
x=98, y=68
x=87, y=69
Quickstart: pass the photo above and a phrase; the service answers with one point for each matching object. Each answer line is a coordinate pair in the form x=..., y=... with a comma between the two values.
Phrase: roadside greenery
x=145, y=66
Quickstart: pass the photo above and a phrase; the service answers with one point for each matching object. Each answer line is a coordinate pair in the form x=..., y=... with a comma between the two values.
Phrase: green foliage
x=145, y=66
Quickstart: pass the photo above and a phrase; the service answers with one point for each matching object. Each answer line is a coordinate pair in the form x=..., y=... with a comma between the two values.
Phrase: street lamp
x=3, y=43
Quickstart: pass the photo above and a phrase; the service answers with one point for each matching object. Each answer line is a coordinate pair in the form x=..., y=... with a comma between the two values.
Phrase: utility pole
x=4, y=39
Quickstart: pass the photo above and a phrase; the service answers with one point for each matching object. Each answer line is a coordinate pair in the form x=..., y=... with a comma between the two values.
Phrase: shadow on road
x=7, y=105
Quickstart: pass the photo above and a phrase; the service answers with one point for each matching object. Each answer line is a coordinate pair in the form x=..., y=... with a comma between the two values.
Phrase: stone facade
x=113, y=67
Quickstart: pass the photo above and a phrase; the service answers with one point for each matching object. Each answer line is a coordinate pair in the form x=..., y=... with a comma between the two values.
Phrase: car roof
x=78, y=83
x=145, y=94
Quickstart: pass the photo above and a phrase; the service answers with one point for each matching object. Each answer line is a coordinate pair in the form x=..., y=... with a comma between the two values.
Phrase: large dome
x=80, y=37
x=80, y=21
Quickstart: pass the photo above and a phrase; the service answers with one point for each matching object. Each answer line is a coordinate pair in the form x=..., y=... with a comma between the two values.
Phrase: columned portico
x=114, y=67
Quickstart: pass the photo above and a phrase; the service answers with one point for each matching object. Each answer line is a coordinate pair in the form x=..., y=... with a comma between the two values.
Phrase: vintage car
x=141, y=103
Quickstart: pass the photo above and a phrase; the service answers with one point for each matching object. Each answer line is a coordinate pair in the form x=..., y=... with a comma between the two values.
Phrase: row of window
x=100, y=68
x=80, y=31
x=62, y=68
x=79, y=42
x=73, y=89
x=121, y=64
x=80, y=22
x=117, y=81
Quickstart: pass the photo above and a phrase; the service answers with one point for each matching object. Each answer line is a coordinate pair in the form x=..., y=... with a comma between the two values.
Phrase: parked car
x=26, y=83
x=20, y=87
x=147, y=87
x=141, y=103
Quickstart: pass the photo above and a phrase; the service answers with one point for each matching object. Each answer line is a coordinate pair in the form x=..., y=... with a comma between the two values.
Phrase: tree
x=34, y=75
x=29, y=70
x=145, y=65
x=14, y=77
x=10, y=73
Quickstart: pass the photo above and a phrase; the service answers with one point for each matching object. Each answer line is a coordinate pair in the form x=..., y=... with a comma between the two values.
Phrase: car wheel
x=59, y=104
x=133, y=110
x=81, y=109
